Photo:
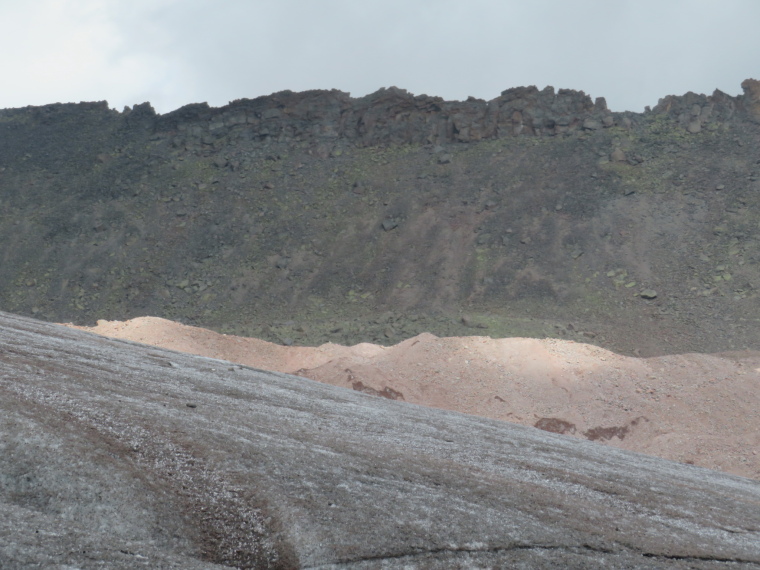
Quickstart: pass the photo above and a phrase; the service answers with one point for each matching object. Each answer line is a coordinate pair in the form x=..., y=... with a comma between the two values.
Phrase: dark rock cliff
x=315, y=216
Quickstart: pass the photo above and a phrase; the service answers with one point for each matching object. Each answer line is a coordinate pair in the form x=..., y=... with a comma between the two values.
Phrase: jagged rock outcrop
x=118, y=455
x=394, y=116
x=751, y=99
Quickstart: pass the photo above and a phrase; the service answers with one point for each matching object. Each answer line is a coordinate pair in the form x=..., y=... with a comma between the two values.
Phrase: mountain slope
x=314, y=216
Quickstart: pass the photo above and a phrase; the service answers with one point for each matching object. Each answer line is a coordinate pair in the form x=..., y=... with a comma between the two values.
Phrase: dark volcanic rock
x=120, y=455
x=103, y=213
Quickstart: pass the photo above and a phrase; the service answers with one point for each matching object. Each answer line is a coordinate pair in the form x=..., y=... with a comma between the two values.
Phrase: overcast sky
x=174, y=52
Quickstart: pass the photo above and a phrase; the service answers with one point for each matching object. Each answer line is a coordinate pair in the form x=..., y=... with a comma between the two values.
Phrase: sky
x=175, y=52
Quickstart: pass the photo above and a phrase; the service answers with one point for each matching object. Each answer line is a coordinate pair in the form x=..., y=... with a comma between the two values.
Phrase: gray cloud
x=174, y=52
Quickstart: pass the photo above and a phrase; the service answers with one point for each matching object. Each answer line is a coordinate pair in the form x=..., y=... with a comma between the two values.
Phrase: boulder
x=591, y=125
x=617, y=155
x=389, y=224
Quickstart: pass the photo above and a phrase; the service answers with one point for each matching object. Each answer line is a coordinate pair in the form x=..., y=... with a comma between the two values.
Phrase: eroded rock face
x=116, y=454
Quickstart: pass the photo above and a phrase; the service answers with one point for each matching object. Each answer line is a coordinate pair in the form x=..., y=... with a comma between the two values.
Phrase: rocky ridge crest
x=395, y=116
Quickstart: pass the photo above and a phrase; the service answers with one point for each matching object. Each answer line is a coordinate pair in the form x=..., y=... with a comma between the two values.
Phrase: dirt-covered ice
x=122, y=455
